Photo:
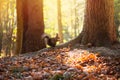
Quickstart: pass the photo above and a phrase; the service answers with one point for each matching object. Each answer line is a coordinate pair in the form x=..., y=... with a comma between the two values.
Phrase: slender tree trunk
x=19, y=26
x=1, y=35
x=59, y=21
x=99, y=29
x=1, y=30
x=76, y=20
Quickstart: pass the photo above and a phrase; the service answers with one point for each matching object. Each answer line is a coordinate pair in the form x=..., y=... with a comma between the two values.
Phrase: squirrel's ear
x=57, y=37
x=56, y=34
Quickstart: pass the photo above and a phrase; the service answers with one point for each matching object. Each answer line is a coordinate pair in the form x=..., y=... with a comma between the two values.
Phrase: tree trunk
x=1, y=29
x=19, y=6
x=33, y=25
x=59, y=21
x=1, y=35
x=99, y=29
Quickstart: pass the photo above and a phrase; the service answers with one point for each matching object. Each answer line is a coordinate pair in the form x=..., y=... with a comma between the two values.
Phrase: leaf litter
x=60, y=64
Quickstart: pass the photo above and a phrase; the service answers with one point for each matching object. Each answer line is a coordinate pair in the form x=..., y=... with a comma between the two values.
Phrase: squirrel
x=51, y=41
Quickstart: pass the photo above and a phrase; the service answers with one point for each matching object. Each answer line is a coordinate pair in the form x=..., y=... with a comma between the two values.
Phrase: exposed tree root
x=113, y=50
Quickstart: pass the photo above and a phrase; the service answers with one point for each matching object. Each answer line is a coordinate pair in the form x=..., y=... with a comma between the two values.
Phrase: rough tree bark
x=98, y=29
x=99, y=26
x=33, y=25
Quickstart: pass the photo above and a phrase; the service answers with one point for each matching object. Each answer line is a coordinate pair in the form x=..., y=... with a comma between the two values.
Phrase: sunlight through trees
x=72, y=17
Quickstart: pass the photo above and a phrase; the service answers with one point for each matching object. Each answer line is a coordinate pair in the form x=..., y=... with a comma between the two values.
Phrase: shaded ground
x=61, y=64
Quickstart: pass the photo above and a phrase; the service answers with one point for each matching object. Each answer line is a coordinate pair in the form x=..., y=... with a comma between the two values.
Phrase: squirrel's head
x=57, y=38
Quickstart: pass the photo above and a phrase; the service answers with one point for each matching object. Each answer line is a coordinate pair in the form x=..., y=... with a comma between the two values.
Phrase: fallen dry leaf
x=61, y=64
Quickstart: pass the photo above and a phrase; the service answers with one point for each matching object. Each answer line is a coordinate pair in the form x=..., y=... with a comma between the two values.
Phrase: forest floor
x=62, y=64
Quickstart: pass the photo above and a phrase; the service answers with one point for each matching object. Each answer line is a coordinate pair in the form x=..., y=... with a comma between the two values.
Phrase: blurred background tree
x=72, y=16
x=8, y=25
x=117, y=17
